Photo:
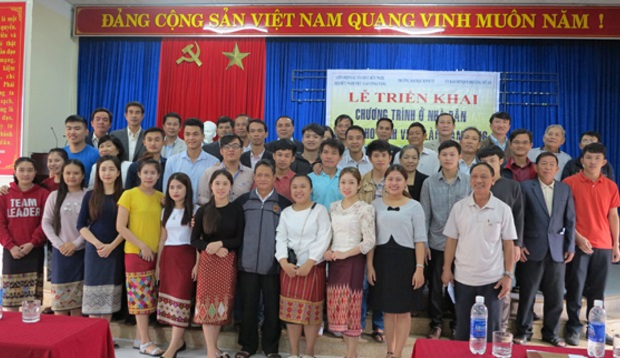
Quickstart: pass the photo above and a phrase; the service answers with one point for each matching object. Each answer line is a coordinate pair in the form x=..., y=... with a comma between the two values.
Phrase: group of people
x=310, y=233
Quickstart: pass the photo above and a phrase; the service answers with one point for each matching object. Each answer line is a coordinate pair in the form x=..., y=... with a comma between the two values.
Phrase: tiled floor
x=126, y=351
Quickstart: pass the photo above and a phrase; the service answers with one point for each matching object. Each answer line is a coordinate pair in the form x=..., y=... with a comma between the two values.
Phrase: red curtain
x=211, y=90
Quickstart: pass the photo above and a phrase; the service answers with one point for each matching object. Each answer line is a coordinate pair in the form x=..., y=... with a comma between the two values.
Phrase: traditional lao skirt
x=345, y=285
x=215, y=290
x=103, y=281
x=175, y=285
x=22, y=279
x=67, y=280
x=302, y=298
x=140, y=280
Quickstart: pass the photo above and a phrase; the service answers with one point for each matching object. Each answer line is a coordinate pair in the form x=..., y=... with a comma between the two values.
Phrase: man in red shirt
x=596, y=236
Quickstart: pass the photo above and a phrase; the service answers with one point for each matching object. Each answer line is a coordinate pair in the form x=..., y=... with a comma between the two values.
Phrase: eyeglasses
x=231, y=146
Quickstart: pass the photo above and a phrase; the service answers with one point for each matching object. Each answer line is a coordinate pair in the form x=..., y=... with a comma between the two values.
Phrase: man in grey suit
x=548, y=244
x=132, y=136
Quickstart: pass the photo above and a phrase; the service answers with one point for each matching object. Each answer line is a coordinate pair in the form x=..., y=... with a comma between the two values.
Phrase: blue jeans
x=377, y=317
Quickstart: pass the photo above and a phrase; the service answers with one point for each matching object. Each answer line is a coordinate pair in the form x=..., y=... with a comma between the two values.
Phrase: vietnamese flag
x=209, y=78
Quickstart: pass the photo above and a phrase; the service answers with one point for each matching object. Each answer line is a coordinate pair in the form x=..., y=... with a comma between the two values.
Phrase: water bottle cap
x=479, y=299
x=598, y=303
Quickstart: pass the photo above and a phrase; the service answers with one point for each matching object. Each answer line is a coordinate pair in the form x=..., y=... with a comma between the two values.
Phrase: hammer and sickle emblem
x=193, y=56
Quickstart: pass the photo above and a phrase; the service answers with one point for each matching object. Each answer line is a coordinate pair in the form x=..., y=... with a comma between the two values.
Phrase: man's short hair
x=385, y=119
x=224, y=120
x=155, y=130
x=134, y=104
x=292, y=122
x=490, y=151
x=594, y=134
x=445, y=114
x=378, y=145
x=229, y=138
x=520, y=131
x=332, y=143
x=195, y=122
x=546, y=154
x=500, y=115
x=255, y=120
x=285, y=144
x=76, y=118
x=101, y=109
x=595, y=148
x=242, y=115
x=266, y=163
x=484, y=164
x=474, y=129
x=341, y=118
x=172, y=115
x=315, y=128
x=449, y=144
x=417, y=124
x=355, y=128
x=556, y=126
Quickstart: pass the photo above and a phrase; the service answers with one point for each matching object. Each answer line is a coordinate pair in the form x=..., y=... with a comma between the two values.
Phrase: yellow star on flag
x=235, y=57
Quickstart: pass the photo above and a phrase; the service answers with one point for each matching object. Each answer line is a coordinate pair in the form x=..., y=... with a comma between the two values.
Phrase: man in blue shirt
x=325, y=185
x=194, y=161
x=76, y=130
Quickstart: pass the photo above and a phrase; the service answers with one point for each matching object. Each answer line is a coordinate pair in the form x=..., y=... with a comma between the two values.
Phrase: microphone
x=55, y=136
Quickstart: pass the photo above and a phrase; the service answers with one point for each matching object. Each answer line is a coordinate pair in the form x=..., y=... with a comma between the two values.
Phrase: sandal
x=555, y=341
x=136, y=344
x=154, y=352
x=242, y=354
x=378, y=336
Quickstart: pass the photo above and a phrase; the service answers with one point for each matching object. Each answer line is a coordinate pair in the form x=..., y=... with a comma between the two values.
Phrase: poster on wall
x=12, y=35
x=407, y=96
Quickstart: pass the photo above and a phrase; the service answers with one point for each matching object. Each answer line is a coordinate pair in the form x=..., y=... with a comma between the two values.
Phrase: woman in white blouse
x=396, y=264
x=303, y=235
x=353, y=225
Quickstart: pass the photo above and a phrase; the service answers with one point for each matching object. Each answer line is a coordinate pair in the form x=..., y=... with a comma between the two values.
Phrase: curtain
x=112, y=72
x=587, y=72
x=213, y=89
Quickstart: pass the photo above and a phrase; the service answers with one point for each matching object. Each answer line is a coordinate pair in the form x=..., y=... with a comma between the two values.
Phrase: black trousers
x=250, y=285
x=548, y=276
x=584, y=268
x=437, y=297
x=465, y=297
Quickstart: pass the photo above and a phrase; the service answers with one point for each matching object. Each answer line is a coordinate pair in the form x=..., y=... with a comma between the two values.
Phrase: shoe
x=435, y=333
x=181, y=349
x=378, y=336
x=555, y=341
x=520, y=340
x=242, y=354
x=154, y=352
x=572, y=338
x=274, y=355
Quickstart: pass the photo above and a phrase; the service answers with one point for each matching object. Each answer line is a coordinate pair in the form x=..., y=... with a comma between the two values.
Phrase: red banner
x=12, y=39
x=350, y=20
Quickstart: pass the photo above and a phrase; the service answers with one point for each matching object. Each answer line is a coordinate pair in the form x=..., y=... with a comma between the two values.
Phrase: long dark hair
x=95, y=205
x=188, y=204
x=63, y=190
x=211, y=216
x=20, y=160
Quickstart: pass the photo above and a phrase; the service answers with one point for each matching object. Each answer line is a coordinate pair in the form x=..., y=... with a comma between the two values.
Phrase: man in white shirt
x=132, y=136
x=444, y=128
x=241, y=129
x=480, y=232
x=354, y=154
x=429, y=161
x=257, y=131
x=554, y=137
x=172, y=143
x=101, y=121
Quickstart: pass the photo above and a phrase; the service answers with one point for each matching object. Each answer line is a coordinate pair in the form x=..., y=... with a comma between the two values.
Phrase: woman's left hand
x=222, y=252
x=304, y=270
x=418, y=278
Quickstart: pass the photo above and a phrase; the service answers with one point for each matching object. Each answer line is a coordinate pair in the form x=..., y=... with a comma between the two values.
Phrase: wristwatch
x=509, y=274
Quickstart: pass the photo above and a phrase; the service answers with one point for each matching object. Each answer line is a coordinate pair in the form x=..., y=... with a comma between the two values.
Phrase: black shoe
x=572, y=338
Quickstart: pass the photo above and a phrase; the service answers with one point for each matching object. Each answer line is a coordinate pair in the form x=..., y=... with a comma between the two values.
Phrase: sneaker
x=435, y=333
x=572, y=338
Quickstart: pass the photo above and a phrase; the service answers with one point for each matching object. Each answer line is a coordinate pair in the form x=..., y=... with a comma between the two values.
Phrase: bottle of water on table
x=478, y=327
x=596, y=330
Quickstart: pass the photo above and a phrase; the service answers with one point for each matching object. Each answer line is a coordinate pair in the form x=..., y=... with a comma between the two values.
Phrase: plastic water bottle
x=596, y=330
x=478, y=327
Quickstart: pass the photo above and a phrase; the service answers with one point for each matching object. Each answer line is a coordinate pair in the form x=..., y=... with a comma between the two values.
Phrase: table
x=439, y=348
x=55, y=337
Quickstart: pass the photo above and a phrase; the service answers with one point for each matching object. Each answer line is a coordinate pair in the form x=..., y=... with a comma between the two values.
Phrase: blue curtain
x=587, y=71
x=112, y=72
